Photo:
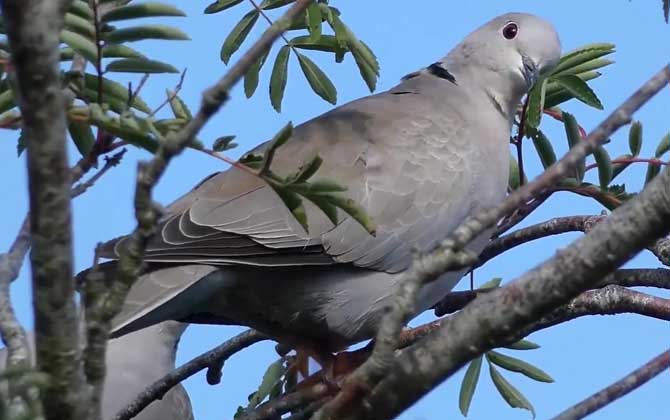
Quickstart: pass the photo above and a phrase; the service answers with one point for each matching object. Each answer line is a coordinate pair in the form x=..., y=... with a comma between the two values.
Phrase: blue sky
x=583, y=355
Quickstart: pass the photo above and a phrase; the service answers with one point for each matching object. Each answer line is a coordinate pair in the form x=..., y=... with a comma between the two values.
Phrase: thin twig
x=162, y=386
x=132, y=94
x=625, y=385
x=267, y=19
x=653, y=161
x=110, y=162
x=174, y=94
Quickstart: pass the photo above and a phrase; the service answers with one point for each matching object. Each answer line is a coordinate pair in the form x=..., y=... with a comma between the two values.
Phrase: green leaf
x=652, y=171
x=516, y=365
x=588, y=66
x=544, y=149
x=224, y=143
x=277, y=141
x=317, y=79
x=179, y=108
x=306, y=170
x=663, y=146
x=115, y=90
x=294, y=203
x=221, y=5
x=164, y=126
x=143, y=10
x=325, y=186
x=140, y=33
x=120, y=51
x=327, y=43
x=140, y=65
x=279, y=77
x=252, y=75
x=237, y=36
x=469, y=385
x=574, y=137
x=512, y=396
x=6, y=101
x=605, y=169
x=325, y=206
x=66, y=54
x=274, y=4
x=366, y=61
x=356, y=212
x=79, y=25
x=313, y=20
x=635, y=138
x=554, y=88
x=579, y=89
x=272, y=376
x=491, y=284
x=81, y=9
x=523, y=345
x=536, y=104
x=82, y=135
x=80, y=44
x=617, y=168
x=582, y=55
x=115, y=104
x=133, y=133
x=514, y=178
x=556, y=94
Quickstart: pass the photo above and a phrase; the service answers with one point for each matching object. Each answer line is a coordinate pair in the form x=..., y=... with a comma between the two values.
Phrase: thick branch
x=217, y=356
x=485, y=322
x=633, y=277
x=33, y=29
x=618, y=389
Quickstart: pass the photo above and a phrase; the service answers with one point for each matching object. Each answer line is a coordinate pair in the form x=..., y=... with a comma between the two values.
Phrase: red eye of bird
x=510, y=30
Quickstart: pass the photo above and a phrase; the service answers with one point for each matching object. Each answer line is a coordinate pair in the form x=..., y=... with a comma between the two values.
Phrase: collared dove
x=134, y=362
x=419, y=158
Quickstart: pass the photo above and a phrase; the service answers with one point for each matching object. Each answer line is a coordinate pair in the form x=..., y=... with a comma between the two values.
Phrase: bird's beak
x=530, y=71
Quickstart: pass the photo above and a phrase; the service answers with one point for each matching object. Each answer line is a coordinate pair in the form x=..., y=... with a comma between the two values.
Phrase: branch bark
x=33, y=29
x=557, y=226
x=487, y=321
x=618, y=389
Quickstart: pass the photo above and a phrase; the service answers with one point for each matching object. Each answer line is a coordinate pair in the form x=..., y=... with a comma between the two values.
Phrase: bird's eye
x=510, y=30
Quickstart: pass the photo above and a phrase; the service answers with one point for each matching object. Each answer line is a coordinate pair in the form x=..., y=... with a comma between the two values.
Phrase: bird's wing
x=392, y=150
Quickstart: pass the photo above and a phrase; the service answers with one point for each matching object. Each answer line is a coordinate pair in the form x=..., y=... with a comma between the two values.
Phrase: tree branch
x=485, y=322
x=557, y=226
x=33, y=29
x=618, y=389
x=216, y=356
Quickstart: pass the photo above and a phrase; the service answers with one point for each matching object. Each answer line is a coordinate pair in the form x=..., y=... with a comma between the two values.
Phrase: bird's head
x=517, y=47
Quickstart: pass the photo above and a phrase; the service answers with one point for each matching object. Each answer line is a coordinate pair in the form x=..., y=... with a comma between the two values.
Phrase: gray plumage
x=134, y=362
x=419, y=158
